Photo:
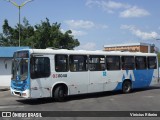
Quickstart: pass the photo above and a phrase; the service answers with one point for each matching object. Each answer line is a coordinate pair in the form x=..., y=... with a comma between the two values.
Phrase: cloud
x=80, y=27
x=134, y=12
x=75, y=32
x=127, y=10
x=78, y=32
x=139, y=33
x=108, y=6
x=87, y=46
x=84, y=24
x=115, y=5
x=91, y=3
x=62, y=30
x=80, y=24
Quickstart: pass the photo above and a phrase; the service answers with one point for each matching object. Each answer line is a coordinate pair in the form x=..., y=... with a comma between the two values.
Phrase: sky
x=94, y=23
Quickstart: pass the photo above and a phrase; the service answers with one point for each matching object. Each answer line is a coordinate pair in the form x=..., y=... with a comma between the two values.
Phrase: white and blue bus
x=38, y=73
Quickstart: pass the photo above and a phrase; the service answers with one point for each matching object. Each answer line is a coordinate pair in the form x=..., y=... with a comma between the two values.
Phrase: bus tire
x=127, y=86
x=59, y=94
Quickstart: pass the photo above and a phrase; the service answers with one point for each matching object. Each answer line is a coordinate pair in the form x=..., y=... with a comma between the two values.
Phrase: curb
x=4, y=89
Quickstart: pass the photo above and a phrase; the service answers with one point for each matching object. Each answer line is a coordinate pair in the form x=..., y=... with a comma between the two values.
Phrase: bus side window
x=113, y=62
x=40, y=67
x=78, y=63
x=61, y=63
x=128, y=63
x=152, y=63
x=140, y=62
x=96, y=63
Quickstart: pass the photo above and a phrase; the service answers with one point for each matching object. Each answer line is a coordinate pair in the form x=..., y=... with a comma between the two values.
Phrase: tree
x=26, y=32
x=7, y=36
x=10, y=35
x=40, y=36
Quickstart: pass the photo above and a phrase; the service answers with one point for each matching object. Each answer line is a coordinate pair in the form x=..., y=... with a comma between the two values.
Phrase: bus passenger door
x=78, y=79
x=114, y=74
x=97, y=73
x=97, y=79
x=40, y=76
x=78, y=82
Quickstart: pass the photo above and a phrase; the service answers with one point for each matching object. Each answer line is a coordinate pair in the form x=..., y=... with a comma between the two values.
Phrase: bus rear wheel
x=59, y=94
x=126, y=87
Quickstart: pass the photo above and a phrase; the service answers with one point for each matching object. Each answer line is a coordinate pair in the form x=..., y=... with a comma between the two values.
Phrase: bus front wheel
x=59, y=94
x=126, y=87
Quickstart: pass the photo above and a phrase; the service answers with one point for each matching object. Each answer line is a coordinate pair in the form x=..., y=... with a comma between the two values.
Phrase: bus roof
x=86, y=52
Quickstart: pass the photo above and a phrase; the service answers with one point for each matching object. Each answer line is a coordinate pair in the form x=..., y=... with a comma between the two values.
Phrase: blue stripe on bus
x=143, y=78
x=20, y=85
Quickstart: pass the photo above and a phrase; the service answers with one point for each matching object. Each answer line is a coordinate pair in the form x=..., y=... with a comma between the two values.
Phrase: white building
x=6, y=55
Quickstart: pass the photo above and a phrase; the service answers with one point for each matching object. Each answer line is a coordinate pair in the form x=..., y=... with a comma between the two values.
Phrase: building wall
x=5, y=71
x=135, y=48
x=123, y=48
x=144, y=49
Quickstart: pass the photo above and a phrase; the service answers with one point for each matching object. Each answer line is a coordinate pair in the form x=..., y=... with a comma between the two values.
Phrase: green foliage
x=40, y=36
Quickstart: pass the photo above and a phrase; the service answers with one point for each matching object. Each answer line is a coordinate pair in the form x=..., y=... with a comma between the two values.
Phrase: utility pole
x=19, y=9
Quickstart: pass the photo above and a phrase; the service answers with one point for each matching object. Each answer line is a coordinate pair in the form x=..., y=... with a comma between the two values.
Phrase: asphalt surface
x=139, y=100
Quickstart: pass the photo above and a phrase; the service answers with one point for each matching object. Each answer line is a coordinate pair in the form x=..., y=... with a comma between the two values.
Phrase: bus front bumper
x=24, y=94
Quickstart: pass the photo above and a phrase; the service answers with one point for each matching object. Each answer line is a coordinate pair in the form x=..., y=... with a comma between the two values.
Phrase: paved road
x=138, y=100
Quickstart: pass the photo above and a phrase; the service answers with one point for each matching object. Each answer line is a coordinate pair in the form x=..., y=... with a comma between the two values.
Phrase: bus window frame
x=146, y=67
x=149, y=63
x=67, y=62
x=33, y=72
x=119, y=66
x=123, y=62
x=73, y=66
x=102, y=66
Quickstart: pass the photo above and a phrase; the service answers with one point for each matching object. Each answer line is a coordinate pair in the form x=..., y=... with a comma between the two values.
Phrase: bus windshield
x=19, y=67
